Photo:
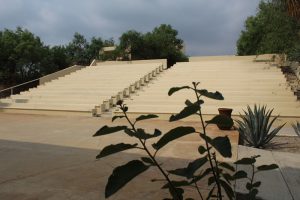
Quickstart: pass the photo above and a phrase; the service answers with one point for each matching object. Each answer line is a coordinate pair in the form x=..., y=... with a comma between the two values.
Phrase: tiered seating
x=84, y=89
x=241, y=81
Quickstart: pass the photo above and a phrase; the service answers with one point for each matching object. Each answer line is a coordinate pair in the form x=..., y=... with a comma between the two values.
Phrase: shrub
x=254, y=128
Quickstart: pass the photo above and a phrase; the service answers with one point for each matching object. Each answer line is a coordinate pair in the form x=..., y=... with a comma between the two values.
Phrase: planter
x=227, y=112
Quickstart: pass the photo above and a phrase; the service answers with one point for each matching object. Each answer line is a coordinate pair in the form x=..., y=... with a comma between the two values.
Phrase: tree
x=77, y=50
x=93, y=48
x=21, y=56
x=131, y=42
x=270, y=31
x=161, y=43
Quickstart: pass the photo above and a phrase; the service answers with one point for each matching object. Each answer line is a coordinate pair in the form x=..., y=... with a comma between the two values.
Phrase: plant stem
x=252, y=177
x=151, y=156
x=198, y=190
x=207, y=147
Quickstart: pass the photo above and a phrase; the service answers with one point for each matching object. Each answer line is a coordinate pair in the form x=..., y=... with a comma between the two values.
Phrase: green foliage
x=24, y=57
x=255, y=125
x=271, y=30
x=173, y=135
x=112, y=149
x=296, y=128
x=21, y=56
x=122, y=175
x=144, y=117
x=220, y=175
x=162, y=42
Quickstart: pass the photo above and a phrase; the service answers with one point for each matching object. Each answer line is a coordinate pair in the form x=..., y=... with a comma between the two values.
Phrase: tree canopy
x=161, y=43
x=23, y=56
x=271, y=30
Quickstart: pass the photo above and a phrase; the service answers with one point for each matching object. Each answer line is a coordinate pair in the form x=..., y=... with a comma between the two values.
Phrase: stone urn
x=227, y=112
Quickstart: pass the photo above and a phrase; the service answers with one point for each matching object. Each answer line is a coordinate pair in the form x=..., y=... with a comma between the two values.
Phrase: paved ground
x=53, y=157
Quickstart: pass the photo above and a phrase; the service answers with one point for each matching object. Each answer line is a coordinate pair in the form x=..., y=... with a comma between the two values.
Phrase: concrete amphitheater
x=47, y=151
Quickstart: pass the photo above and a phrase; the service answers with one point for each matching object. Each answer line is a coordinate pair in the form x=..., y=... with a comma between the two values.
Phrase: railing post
x=11, y=91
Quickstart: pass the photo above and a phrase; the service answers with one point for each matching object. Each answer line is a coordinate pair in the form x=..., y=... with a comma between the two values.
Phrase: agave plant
x=254, y=128
x=297, y=128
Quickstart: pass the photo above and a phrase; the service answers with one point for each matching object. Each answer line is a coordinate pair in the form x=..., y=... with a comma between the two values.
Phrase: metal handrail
x=38, y=79
x=16, y=86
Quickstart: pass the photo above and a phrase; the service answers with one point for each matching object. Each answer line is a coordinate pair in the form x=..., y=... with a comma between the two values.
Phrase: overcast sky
x=208, y=27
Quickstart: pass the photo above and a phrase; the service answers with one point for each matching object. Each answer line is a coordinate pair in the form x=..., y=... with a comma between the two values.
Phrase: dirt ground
x=285, y=144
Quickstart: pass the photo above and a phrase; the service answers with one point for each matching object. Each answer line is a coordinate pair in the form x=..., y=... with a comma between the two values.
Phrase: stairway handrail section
x=42, y=80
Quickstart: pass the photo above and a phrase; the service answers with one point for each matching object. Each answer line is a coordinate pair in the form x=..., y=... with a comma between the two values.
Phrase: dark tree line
x=162, y=42
x=274, y=29
x=24, y=57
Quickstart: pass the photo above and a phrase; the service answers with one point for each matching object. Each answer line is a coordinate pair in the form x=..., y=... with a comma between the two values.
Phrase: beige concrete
x=53, y=157
x=85, y=89
x=279, y=184
x=225, y=57
x=161, y=61
x=241, y=81
x=60, y=73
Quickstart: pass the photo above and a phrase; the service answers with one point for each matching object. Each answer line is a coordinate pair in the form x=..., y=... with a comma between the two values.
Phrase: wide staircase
x=91, y=89
x=241, y=81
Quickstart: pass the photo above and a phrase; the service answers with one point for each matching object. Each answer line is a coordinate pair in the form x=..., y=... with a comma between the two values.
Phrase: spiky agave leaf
x=297, y=128
x=255, y=125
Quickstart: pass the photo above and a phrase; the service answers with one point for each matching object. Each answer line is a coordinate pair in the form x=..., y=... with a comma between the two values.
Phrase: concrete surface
x=53, y=157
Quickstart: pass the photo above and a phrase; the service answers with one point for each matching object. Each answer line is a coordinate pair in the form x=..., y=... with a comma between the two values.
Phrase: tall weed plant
x=219, y=176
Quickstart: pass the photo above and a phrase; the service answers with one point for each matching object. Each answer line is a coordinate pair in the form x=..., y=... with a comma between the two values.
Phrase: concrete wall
x=60, y=73
x=224, y=57
x=162, y=61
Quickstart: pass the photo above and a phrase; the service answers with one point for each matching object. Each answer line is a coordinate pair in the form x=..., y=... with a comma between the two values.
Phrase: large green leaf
x=221, y=144
x=187, y=111
x=201, y=175
x=226, y=166
x=116, y=117
x=256, y=184
x=212, y=95
x=227, y=188
x=141, y=134
x=122, y=175
x=176, y=184
x=144, y=117
x=176, y=193
x=245, y=161
x=267, y=167
x=176, y=89
x=115, y=148
x=148, y=160
x=108, y=130
x=239, y=174
x=221, y=120
x=173, y=135
x=192, y=167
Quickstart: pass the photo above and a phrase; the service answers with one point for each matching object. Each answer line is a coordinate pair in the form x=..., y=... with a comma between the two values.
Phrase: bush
x=254, y=128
